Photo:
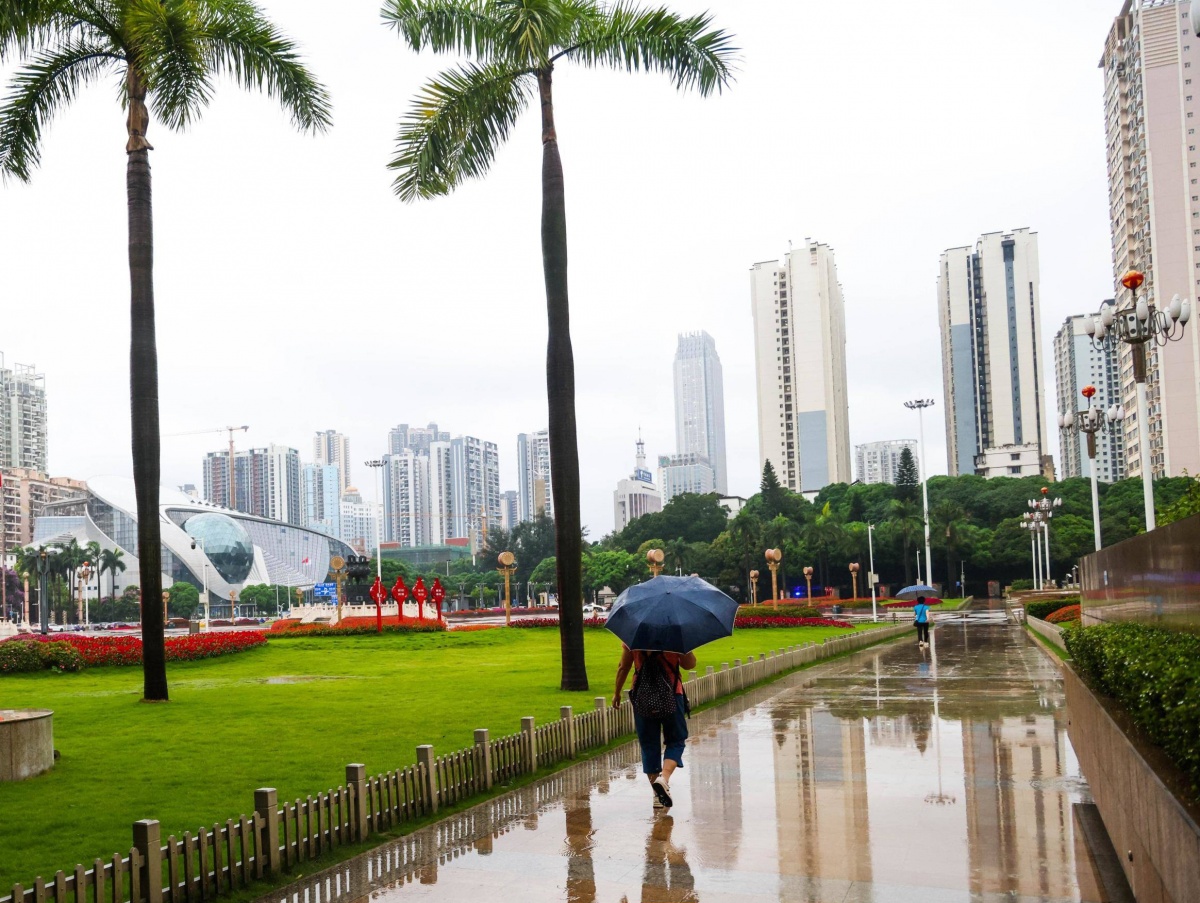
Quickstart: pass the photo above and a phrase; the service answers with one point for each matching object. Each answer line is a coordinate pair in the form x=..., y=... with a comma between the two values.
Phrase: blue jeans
x=652, y=733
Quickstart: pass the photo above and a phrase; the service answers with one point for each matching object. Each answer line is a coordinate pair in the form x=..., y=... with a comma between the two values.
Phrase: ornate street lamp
x=854, y=578
x=654, y=558
x=1037, y=519
x=83, y=575
x=774, y=556
x=508, y=567
x=1138, y=325
x=808, y=572
x=1091, y=421
x=754, y=587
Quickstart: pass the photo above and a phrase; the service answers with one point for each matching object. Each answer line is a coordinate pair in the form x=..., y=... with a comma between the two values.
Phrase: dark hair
x=921, y=599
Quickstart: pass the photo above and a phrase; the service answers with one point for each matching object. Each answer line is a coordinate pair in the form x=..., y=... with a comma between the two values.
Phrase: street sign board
x=325, y=589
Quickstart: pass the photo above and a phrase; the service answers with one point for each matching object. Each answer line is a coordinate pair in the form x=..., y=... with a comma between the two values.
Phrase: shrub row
x=1044, y=609
x=553, y=622
x=760, y=621
x=354, y=627
x=1154, y=674
x=785, y=609
x=1068, y=615
x=95, y=651
x=24, y=655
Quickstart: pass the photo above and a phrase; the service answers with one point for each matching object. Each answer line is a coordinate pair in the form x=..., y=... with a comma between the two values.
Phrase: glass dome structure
x=226, y=543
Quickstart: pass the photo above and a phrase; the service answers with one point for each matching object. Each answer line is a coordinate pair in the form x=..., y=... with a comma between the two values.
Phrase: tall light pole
x=1091, y=421
x=1137, y=326
x=919, y=406
x=377, y=465
x=1038, y=520
x=204, y=552
x=871, y=577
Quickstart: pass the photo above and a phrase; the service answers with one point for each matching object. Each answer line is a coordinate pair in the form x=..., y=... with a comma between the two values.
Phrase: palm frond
x=28, y=24
x=695, y=55
x=534, y=28
x=240, y=42
x=40, y=90
x=457, y=123
x=458, y=26
x=169, y=40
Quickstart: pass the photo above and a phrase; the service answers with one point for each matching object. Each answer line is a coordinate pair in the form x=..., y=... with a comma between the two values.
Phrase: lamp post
x=654, y=558
x=872, y=578
x=204, y=552
x=774, y=556
x=508, y=567
x=1091, y=421
x=919, y=406
x=808, y=572
x=854, y=579
x=1042, y=509
x=754, y=587
x=43, y=568
x=337, y=567
x=377, y=464
x=1137, y=326
x=1035, y=547
x=82, y=576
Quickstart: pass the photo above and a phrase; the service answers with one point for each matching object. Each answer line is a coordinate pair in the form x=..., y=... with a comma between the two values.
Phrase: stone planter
x=26, y=743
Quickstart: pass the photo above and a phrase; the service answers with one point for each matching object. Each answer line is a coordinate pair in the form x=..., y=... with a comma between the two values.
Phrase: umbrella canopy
x=672, y=614
x=918, y=589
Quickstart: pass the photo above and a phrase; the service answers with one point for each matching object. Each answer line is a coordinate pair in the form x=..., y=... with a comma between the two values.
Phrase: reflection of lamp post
x=940, y=798
x=808, y=572
x=83, y=575
x=774, y=556
x=754, y=587
x=654, y=558
x=854, y=578
x=508, y=567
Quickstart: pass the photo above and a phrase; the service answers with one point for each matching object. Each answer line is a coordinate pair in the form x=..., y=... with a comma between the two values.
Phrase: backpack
x=653, y=692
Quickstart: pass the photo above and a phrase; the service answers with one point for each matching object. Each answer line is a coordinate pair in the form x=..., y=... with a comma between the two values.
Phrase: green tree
x=182, y=600
x=946, y=518
x=824, y=534
x=910, y=526
x=1186, y=505
x=772, y=493
x=614, y=568
x=461, y=117
x=908, y=478
x=168, y=54
x=112, y=560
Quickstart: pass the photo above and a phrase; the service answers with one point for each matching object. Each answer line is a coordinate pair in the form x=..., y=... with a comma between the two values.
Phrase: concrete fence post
x=527, y=726
x=602, y=717
x=709, y=680
x=567, y=714
x=147, y=839
x=483, y=741
x=266, y=804
x=356, y=781
x=425, y=759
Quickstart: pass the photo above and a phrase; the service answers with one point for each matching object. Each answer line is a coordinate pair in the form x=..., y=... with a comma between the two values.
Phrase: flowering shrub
x=1043, y=610
x=471, y=628
x=27, y=654
x=95, y=651
x=1068, y=615
x=755, y=622
x=784, y=609
x=354, y=627
x=553, y=622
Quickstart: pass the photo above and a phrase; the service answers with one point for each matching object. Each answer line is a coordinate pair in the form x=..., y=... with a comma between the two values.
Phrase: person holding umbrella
x=659, y=623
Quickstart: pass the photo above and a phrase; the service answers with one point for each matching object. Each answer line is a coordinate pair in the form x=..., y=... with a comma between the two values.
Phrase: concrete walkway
x=893, y=776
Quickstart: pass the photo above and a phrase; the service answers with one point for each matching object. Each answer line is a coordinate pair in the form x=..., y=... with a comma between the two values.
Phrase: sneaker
x=662, y=792
x=658, y=803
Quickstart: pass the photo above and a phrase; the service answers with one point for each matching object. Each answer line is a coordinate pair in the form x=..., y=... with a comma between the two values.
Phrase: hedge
x=1043, y=610
x=17, y=656
x=1069, y=614
x=1154, y=674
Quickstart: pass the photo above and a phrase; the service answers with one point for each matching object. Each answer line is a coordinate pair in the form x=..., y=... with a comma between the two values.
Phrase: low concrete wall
x=1156, y=838
x=1051, y=633
x=26, y=743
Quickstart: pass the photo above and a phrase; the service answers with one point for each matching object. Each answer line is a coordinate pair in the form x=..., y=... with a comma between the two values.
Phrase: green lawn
x=291, y=715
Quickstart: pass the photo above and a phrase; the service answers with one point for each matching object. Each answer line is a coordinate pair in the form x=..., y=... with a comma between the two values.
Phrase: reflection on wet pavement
x=890, y=776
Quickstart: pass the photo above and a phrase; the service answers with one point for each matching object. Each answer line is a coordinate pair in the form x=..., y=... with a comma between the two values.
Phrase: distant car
x=592, y=608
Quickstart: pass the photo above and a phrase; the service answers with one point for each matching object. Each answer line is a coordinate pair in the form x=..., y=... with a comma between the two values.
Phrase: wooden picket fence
x=279, y=836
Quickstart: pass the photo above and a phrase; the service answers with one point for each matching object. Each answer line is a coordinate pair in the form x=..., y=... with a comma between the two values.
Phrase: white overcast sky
x=295, y=293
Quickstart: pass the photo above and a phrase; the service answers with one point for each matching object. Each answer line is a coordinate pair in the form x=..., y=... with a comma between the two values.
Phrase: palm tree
x=461, y=117
x=676, y=554
x=946, y=517
x=906, y=514
x=168, y=54
x=778, y=532
x=824, y=533
x=112, y=560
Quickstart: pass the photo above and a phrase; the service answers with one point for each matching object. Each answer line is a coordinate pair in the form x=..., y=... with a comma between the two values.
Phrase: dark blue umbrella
x=672, y=614
x=911, y=592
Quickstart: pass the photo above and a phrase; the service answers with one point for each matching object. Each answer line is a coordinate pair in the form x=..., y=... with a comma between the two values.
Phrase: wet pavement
x=893, y=776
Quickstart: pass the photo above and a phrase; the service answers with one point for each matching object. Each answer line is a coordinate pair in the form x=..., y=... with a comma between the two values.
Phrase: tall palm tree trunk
x=560, y=385
x=143, y=383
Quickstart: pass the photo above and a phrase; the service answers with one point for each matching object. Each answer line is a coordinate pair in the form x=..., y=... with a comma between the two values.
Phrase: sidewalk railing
x=278, y=836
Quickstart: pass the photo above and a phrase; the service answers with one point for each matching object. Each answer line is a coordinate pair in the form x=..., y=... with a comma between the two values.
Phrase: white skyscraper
x=441, y=483
x=688, y=473
x=322, y=499
x=988, y=308
x=700, y=404
x=636, y=495
x=406, y=499
x=879, y=462
x=23, y=420
x=475, y=488
x=331, y=447
x=533, y=471
x=1151, y=110
x=415, y=438
x=800, y=359
x=360, y=522
x=1077, y=363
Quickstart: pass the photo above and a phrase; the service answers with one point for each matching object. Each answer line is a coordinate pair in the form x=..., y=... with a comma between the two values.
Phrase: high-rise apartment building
x=23, y=495
x=415, y=438
x=23, y=420
x=700, y=404
x=441, y=489
x=1078, y=363
x=800, y=359
x=267, y=482
x=360, y=522
x=331, y=447
x=510, y=509
x=533, y=472
x=637, y=495
x=879, y=462
x=406, y=499
x=322, y=499
x=1151, y=65
x=989, y=312
x=685, y=473
x=474, y=489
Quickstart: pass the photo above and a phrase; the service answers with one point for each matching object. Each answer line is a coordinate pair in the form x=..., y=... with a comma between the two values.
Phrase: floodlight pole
x=919, y=406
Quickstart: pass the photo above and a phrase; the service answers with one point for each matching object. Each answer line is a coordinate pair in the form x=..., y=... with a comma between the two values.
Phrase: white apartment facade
x=267, y=482
x=700, y=403
x=989, y=313
x=475, y=489
x=879, y=462
x=405, y=499
x=685, y=473
x=333, y=448
x=800, y=362
x=360, y=522
x=535, y=496
x=1078, y=364
x=24, y=432
x=1151, y=69
x=322, y=499
x=636, y=495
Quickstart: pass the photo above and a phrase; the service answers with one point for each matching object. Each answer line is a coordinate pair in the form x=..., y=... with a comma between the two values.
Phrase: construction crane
x=224, y=429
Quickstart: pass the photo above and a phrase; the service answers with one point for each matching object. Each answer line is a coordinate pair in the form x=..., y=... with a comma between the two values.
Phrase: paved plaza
x=893, y=776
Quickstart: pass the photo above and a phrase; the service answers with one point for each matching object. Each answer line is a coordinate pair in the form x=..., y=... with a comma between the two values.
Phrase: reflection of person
x=668, y=877
x=653, y=733
x=921, y=617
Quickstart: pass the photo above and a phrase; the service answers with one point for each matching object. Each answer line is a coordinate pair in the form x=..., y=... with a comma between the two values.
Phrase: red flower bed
x=355, y=627
x=471, y=628
x=127, y=650
x=1068, y=615
x=553, y=622
x=756, y=621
